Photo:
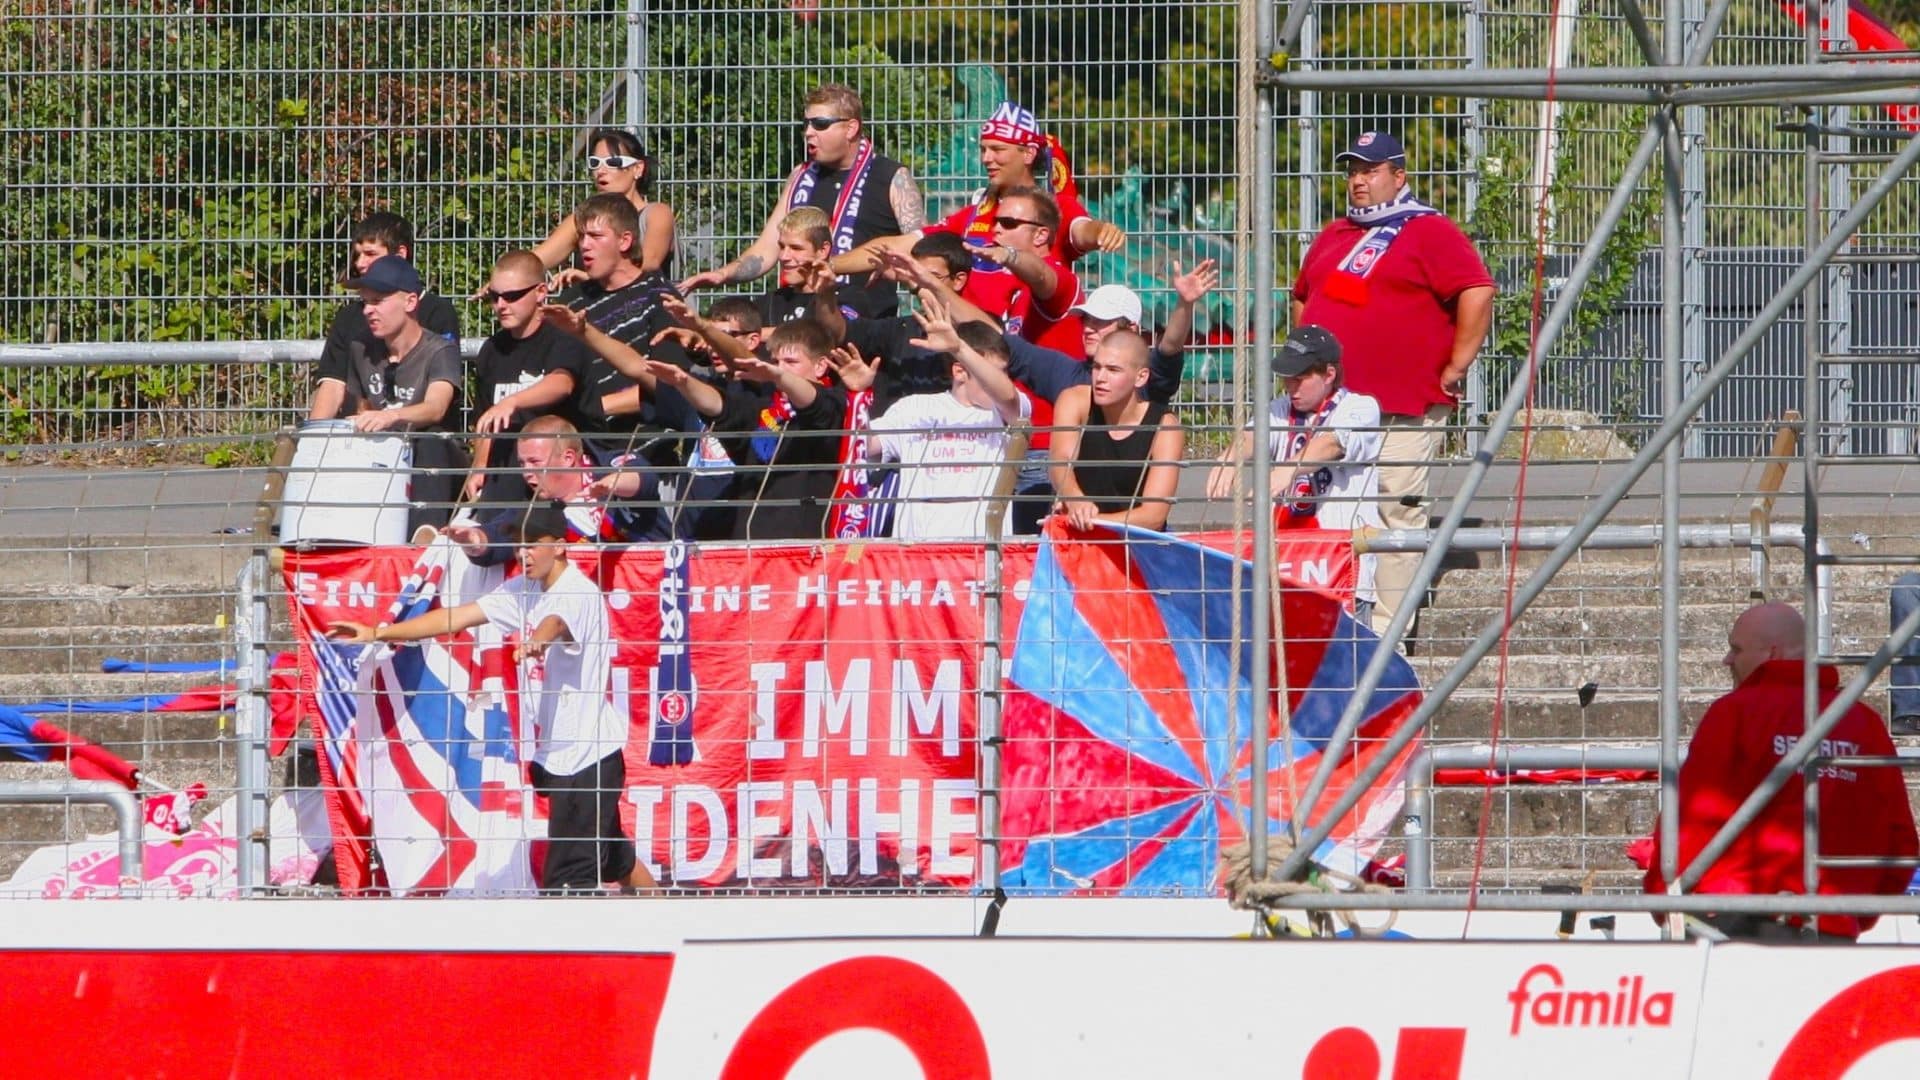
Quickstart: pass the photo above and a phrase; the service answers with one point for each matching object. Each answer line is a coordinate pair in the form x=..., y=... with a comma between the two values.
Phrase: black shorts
x=585, y=844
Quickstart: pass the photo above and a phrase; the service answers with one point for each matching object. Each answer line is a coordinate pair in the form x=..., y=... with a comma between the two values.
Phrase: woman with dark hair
x=620, y=166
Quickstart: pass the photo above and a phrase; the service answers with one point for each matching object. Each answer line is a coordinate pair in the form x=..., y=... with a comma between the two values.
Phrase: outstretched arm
x=432, y=624
x=759, y=257
x=625, y=358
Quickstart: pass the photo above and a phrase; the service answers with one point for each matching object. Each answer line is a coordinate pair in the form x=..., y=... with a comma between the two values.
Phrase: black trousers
x=585, y=844
x=439, y=472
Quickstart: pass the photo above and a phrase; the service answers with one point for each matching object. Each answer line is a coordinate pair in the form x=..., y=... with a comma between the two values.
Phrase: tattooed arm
x=909, y=206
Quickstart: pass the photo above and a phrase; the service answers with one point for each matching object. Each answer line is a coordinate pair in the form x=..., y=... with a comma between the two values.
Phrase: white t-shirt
x=564, y=694
x=950, y=454
x=1347, y=491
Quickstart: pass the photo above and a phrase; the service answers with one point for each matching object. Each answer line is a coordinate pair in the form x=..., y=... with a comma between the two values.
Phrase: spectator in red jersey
x=1863, y=810
x=1014, y=154
x=1408, y=297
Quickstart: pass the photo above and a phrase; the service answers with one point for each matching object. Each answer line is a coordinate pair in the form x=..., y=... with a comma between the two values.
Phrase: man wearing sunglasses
x=527, y=369
x=864, y=194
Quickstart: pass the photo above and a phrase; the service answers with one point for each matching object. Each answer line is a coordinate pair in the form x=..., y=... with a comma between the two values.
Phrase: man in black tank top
x=1116, y=455
x=865, y=195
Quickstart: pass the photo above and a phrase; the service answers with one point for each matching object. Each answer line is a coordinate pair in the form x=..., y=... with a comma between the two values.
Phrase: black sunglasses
x=822, y=123
x=1006, y=222
x=509, y=295
x=611, y=161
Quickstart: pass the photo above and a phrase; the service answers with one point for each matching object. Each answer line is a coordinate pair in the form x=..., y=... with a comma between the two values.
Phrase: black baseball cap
x=1306, y=348
x=1374, y=147
x=389, y=274
x=544, y=520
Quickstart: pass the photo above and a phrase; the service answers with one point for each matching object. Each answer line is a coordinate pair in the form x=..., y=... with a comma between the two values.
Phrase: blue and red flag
x=1128, y=759
x=22, y=738
x=419, y=752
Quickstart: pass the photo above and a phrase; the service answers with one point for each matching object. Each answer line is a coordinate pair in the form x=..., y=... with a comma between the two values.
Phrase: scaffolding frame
x=1676, y=76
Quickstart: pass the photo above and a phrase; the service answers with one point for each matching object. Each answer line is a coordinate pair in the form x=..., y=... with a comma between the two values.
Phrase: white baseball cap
x=1111, y=302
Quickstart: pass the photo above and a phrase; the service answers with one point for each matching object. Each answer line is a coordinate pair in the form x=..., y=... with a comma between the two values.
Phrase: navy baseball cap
x=1306, y=348
x=1374, y=147
x=389, y=274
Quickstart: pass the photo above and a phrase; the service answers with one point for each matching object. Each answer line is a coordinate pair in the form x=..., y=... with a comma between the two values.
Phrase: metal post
x=637, y=65
x=1506, y=758
x=1814, y=402
x=1670, y=428
x=1672, y=239
x=252, y=719
x=1475, y=398
x=1260, y=625
x=125, y=805
x=1802, y=751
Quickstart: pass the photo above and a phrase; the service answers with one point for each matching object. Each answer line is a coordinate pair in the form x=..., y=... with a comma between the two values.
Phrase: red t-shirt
x=976, y=228
x=1863, y=811
x=1394, y=346
x=1050, y=322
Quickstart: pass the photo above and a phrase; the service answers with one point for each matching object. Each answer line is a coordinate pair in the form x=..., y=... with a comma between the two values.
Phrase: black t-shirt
x=787, y=303
x=507, y=365
x=905, y=368
x=874, y=218
x=790, y=500
x=631, y=314
x=375, y=380
x=435, y=314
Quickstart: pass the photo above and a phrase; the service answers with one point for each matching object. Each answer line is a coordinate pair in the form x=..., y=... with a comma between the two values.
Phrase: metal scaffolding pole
x=1427, y=80
x=1672, y=269
x=1670, y=428
x=1261, y=480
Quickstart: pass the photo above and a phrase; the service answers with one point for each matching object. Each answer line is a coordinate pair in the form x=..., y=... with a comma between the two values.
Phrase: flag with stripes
x=421, y=753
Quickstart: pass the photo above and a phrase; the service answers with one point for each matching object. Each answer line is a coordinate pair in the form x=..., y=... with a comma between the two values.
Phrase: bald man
x=1863, y=811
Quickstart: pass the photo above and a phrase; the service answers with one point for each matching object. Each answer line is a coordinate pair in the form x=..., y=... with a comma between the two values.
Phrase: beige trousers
x=1410, y=445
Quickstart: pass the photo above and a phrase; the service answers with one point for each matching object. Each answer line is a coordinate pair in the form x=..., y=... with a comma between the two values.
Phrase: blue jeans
x=1905, y=677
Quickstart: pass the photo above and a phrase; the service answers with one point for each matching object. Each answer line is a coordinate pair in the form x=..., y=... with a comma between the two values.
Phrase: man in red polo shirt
x=1404, y=291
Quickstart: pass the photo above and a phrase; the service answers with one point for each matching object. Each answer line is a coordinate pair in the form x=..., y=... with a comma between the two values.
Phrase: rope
x=1540, y=229
x=1246, y=894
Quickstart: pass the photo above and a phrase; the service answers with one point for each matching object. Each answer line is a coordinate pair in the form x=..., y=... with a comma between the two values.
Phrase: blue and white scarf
x=1383, y=224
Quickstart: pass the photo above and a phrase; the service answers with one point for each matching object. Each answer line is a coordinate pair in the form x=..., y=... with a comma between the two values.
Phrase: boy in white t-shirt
x=1325, y=448
x=951, y=446
x=578, y=737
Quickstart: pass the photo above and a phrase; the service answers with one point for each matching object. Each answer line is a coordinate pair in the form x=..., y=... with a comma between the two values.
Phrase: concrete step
x=1631, y=632
x=57, y=648
x=92, y=685
x=1535, y=673
x=153, y=737
x=44, y=605
x=1612, y=717
x=125, y=560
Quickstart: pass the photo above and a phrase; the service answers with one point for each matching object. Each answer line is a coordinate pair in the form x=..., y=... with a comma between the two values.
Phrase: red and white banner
x=800, y=715
x=944, y=1008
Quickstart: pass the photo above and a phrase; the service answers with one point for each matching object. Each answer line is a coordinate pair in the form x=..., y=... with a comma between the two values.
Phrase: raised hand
x=1190, y=287
x=572, y=275
x=856, y=372
x=1109, y=237
x=564, y=319
x=671, y=374
x=936, y=326
x=680, y=311
x=689, y=339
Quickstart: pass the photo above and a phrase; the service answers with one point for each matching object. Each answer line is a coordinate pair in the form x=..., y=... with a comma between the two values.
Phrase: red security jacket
x=1863, y=811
